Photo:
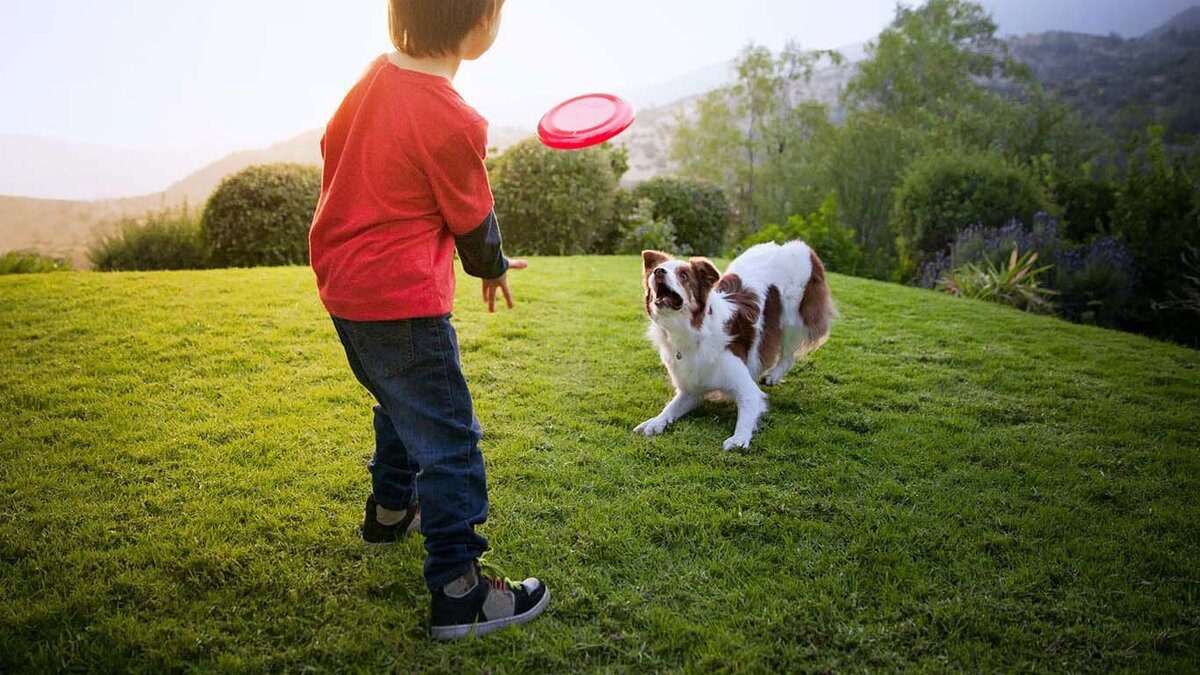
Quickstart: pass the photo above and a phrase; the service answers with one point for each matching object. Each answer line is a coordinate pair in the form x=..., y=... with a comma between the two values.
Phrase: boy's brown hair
x=425, y=28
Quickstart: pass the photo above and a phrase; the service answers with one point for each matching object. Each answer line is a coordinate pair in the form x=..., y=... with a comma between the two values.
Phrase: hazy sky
x=231, y=74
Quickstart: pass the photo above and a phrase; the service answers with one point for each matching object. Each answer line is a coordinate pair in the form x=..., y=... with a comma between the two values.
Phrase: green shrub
x=1093, y=282
x=609, y=238
x=160, y=240
x=1185, y=298
x=1014, y=284
x=28, y=262
x=551, y=202
x=699, y=210
x=261, y=216
x=944, y=193
x=1087, y=207
x=822, y=230
x=1096, y=282
x=1157, y=216
x=641, y=232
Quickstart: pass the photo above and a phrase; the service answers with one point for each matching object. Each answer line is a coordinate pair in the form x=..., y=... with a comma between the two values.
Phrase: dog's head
x=675, y=286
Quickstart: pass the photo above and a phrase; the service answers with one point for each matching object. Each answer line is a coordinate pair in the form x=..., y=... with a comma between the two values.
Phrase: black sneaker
x=375, y=532
x=476, y=604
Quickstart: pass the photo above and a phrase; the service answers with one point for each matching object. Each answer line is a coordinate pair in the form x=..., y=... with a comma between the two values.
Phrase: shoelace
x=495, y=576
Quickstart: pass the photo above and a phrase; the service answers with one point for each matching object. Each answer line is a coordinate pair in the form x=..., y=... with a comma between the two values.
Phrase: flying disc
x=585, y=121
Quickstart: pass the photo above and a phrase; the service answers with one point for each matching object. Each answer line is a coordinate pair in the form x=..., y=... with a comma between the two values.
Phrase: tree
x=930, y=62
x=1158, y=217
x=932, y=82
x=755, y=138
x=862, y=165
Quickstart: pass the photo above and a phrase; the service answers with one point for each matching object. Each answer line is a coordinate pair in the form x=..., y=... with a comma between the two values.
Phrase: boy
x=405, y=185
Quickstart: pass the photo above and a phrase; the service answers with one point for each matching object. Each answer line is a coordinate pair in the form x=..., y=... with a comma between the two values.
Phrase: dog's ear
x=707, y=275
x=652, y=259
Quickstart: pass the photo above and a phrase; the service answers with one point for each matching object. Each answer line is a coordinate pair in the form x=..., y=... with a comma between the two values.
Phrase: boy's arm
x=459, y=180
x=481, y=250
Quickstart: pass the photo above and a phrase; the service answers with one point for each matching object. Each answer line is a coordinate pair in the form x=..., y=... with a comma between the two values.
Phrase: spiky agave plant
x=1015, y=283
x=1186, y=297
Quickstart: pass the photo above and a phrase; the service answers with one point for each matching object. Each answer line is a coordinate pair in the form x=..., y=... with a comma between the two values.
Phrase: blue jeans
x=426, y=434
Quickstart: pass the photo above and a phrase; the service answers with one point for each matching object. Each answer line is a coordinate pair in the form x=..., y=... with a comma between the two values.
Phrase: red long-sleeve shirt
x=404, y=174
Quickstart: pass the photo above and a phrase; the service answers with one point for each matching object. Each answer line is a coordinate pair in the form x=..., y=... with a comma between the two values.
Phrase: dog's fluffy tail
x=816, y=308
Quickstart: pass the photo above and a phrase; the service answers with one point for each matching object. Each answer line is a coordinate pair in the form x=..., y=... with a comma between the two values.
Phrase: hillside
x=649, y=141
x=45, y=168
x=945, y=486
x=1102, y=76
x=65, y=228
x=1187, y=21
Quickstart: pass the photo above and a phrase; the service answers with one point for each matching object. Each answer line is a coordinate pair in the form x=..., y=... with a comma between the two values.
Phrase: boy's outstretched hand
x=491, y=285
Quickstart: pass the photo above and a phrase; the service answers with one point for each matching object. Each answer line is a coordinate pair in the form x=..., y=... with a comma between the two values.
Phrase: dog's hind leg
x=793, y=338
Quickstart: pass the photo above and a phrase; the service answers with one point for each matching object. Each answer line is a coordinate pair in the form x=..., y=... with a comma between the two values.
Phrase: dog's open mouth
x=664, y=297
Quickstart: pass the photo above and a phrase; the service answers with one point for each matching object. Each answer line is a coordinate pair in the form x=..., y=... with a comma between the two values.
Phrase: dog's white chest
x=692, y=366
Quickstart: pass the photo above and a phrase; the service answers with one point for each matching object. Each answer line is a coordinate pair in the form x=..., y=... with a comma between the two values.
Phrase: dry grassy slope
x=65, y=228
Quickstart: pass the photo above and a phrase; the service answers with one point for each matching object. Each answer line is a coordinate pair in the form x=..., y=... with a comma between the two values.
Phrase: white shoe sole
x=477, y=629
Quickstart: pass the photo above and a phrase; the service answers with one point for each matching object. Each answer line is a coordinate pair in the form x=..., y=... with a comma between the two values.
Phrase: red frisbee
x=585, y=121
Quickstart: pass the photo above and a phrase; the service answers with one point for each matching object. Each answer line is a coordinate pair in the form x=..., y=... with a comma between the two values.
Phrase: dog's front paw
x=736, y=442
x=651, y=427
x=772, y=378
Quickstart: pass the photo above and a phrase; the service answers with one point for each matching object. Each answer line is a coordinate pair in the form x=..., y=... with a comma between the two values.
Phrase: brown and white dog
x=722, y=335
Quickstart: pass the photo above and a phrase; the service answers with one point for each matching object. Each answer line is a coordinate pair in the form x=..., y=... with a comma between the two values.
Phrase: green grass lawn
x=947, y=485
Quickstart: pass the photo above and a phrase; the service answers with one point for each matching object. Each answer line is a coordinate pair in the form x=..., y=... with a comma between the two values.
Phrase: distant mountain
x=196, y=187
x=1128, y=18
x=1098, y=75
x=1187, y=21
x=65, y=228
x=52, y=169
x=1102, y=76
x=684, y=86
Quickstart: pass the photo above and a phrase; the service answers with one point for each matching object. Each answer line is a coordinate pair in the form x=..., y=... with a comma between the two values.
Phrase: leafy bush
x=28, y=262
x=1184, y=299
x=554, y=203
x=160, y=240
x=1014, y=283
x=864, y=163
x=641, y=232
x=1087, y=206
x=608, y=238
x=837, y=245
x=994, y=244
x=699, y=210
x=1158, y=217
x=261, y=216
x=1095, y=281
x=944, y=193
